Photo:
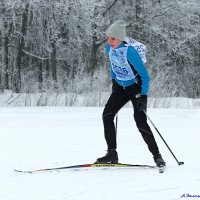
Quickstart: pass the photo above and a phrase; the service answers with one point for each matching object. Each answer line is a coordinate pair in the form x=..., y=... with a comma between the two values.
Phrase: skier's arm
x=112, y=74
x=135, y=60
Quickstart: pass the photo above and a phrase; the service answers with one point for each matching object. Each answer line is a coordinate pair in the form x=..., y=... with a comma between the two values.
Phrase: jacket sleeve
x=112, y=74
x=135, y=60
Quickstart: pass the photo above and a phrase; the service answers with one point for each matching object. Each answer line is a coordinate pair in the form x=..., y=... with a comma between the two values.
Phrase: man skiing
x=130, y=83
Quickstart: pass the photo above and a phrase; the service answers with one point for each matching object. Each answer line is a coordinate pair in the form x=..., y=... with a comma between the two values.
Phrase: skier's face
x=113, y=42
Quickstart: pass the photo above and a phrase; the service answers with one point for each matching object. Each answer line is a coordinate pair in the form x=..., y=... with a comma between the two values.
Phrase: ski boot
x=159, y=160
x=110, y=157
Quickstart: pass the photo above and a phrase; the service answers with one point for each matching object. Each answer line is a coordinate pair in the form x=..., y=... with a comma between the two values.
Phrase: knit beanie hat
x=117, y=30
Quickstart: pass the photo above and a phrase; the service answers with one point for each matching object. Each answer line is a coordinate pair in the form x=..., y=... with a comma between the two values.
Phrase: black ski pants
x=119, y=97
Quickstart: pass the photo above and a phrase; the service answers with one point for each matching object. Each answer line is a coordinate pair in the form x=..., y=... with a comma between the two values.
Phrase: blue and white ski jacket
x=127, y=67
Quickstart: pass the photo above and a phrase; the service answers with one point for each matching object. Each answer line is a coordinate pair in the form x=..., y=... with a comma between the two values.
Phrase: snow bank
x=94, y=99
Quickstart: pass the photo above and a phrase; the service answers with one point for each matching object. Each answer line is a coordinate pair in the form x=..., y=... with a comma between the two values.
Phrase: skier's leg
x=115, y=102
x=143, y=127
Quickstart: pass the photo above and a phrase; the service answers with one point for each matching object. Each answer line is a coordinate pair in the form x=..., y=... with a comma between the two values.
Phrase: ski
x=94, y=165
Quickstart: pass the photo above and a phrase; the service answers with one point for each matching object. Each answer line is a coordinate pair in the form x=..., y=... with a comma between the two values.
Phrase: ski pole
x=179, y=163
x=116, y=122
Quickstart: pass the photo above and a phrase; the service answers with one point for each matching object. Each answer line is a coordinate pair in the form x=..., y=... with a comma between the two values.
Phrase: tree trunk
x=53, y=61
x=17, y=81
x=4, y=44
x=138, y=16
x=6, y=60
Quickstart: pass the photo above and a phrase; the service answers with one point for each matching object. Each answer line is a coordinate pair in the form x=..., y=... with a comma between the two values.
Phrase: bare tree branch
x=33, y=55
x=109, y=8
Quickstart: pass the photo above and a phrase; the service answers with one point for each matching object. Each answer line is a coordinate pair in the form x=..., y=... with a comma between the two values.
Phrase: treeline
x=58, y=45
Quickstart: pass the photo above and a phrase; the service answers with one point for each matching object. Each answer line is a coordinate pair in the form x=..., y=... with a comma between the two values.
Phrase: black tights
x=116, y=101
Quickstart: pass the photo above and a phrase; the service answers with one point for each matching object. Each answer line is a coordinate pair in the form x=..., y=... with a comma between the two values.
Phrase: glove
x=141, y=102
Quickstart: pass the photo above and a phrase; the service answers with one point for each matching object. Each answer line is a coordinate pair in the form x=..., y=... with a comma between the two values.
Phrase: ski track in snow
x=40, y=137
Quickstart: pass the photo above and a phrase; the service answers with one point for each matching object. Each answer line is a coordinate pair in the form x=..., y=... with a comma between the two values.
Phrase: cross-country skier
x=130, y=83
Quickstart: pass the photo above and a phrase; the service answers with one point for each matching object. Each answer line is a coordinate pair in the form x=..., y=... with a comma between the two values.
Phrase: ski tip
x=21, y=171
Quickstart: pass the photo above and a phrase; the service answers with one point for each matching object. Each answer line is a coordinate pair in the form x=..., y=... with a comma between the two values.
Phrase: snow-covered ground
x=39, y=137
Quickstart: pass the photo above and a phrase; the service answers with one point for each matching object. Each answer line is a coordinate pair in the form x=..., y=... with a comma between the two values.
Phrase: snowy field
x=39, y=137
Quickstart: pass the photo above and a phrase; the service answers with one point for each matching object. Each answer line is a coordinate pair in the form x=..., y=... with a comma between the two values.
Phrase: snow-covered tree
x=54, y=44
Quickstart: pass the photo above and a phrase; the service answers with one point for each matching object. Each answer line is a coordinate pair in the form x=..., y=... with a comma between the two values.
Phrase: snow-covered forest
x=58, y=46
x=55, y=80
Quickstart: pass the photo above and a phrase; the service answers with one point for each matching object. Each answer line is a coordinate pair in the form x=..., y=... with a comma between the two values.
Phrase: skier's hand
x=141, y=102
